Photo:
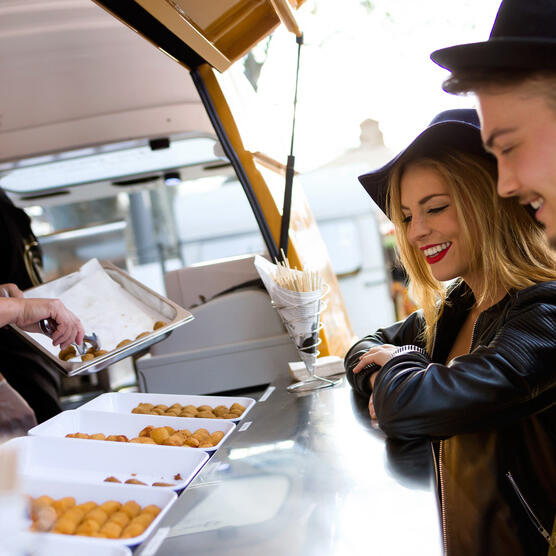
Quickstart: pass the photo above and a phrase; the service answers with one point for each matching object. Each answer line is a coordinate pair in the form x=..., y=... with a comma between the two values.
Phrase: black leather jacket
x=491, y=415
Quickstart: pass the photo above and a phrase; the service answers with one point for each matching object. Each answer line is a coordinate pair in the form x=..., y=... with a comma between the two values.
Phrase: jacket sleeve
x=401, y=333
x=509, y=378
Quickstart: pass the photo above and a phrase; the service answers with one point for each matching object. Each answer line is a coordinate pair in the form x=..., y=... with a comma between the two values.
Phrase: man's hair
x=536, y=82
x=508, y=246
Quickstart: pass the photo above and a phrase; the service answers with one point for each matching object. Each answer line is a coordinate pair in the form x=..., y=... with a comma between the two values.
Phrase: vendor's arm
x=27, y=312
x=401, y=333
x=511, y=377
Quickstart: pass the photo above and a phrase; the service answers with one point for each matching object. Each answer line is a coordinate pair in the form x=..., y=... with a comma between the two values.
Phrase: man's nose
x=508, y=184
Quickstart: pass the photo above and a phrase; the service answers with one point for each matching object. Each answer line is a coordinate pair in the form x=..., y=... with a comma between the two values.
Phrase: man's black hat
x=523, y=37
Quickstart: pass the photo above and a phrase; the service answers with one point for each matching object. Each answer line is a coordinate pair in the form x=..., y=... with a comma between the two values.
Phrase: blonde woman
x=474, y=369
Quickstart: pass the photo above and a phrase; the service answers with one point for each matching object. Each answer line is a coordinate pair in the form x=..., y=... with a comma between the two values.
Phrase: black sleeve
x=509, y=378
x=401, y=333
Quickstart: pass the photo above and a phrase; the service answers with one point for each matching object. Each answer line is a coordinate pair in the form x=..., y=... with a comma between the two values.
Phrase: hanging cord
x=286, y=210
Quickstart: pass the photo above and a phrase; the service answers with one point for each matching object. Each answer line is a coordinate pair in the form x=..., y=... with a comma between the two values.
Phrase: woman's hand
x=371, y=406
x=378, y=355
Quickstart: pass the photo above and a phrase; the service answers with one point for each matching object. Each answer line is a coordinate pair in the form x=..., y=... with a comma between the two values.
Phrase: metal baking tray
x=167, y=309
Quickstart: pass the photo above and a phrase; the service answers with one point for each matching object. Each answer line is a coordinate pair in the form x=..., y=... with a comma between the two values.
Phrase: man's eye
x=438, y=209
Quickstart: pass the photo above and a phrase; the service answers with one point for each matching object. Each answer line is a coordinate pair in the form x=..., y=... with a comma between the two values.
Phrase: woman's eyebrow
x=427, y=198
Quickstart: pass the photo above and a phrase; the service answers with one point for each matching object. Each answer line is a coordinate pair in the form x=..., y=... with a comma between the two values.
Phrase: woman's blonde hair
x=508, y=246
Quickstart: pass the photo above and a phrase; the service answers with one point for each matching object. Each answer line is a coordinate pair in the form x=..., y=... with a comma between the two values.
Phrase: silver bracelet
x=408, y=349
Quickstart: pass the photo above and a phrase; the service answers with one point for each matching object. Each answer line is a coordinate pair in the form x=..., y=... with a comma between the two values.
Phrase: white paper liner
x=299, y=311
x=102, y=305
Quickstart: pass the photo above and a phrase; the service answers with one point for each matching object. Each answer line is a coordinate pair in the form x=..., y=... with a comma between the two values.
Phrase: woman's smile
x=436, y=252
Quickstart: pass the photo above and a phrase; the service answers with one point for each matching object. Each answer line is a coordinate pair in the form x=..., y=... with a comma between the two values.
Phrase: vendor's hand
x=68, y=327
x=10, y=290
x=378, y=354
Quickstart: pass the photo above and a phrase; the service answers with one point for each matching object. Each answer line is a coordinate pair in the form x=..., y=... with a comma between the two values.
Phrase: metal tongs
x=48, y=327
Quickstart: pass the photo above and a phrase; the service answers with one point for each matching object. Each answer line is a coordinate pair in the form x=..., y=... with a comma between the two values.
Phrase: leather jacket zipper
x=443, y=497
x=551, y=539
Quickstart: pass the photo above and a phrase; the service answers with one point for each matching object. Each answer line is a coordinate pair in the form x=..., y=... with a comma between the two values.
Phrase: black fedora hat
x=523, y=37
x=457, y=129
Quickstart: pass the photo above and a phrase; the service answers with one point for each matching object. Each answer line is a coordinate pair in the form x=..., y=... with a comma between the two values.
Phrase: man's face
x=519, y=128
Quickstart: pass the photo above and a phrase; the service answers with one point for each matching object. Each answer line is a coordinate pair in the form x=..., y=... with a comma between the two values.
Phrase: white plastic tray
x=92, y=422
x=92, y=462
x=163, y=498
x=124, y=402
x=40, y=544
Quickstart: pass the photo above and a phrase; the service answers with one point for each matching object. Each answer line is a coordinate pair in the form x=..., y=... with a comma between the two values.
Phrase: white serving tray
x=41, y=544
x=92, y=422
x=124, y=402
x=54, y=458
x=82, y=492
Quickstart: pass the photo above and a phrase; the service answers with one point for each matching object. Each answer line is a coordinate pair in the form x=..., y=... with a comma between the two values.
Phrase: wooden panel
x=306, y=247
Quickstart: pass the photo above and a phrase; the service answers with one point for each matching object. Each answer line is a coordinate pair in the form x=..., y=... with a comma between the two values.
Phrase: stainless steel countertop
x=306, y=474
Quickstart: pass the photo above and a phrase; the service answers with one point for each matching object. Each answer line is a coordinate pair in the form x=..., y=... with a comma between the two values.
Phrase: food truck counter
x=306, y=474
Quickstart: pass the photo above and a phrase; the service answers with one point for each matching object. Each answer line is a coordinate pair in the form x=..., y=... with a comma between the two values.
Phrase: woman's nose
x=417, y=229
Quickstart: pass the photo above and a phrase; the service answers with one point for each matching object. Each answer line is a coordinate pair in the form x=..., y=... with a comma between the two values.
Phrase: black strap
x=286, y=210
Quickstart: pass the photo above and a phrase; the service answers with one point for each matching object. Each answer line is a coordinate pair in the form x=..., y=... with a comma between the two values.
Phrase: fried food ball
x=143, y=334
x=87, y=357
x=206, y=444
x=132, y=530
x=192, y=442
x=170, y=430
x=100, y=352
x=201, y=434
x=62, y=505
x=191, y=408
x=131, y=508
x=172, y=413
x=176, y=439
x=161, y=406
x=159, y=324
x=112, y=479
x=98, y=436
x=237, y=407
x=98, y=515
x=123, y=343
x=229, y=416
x=204, y=408
x=87, y=528
x=135, y=482
x=187, y=414
x=143, y=440
x=120, y=518
x=152, y=509
x=160, y=434
x=146, y=431
x=110, y=507
x=87, y=507
x=67, y=353
x=67, y=524
x=216, y=437
x=220, y=410
x=163, y=484
x=143, y=518
x=111, y=530
x=206, y=415
x=117, y=438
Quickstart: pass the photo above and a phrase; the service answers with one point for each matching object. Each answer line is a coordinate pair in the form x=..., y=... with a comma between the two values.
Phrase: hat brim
x=440, y=137
x=534, y=54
